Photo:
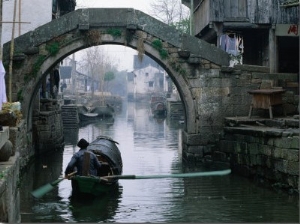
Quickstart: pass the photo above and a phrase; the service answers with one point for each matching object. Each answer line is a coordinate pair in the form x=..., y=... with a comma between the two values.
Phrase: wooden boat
x=94, y=113
x=158, y=105
x=105, y=111
x=98, y=122
x=88, y=116
x=108, y=153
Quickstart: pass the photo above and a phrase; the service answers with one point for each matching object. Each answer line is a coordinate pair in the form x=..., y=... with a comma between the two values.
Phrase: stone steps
x=69, y=114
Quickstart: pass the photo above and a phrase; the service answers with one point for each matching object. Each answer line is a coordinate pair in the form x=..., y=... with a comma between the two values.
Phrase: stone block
x=277, y=153
x=252, y=139
x=43, y=127
x=191, y=139
x=220, y=156
x=268, y=161
x=227, y=146
x=189, y=157
x=44, y=135
x=281, y=165
x=6, y=151
x=293, y=181
x=256, y=81
x=240, y=138
x=239, y=159
x=240, y=147
x=253, y=160
x=214, y=66
x=243, y=82
x=283, y=142
x=273, y=133
x=208, y=149
x=270, y=141
x=243, y=159
x=293, y=155
x=266, y=150
x=292, y=123
x=295, y=142
x=285, y=153
x=259, y=160
x=253, y=148
x=4, y=135
x=196, y=150
x=293, y=168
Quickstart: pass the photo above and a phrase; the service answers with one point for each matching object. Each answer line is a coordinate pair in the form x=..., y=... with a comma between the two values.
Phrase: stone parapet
x=4, y=136
x=9, y=190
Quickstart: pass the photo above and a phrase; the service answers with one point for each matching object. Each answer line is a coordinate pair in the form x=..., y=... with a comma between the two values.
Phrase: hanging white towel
x=3, y=98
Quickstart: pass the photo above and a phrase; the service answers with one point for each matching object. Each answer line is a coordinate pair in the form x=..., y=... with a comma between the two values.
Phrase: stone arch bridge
x=193, y=65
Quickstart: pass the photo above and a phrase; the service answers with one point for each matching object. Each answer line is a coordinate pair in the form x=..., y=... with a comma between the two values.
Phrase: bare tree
x=96, y=64
x=171, y=12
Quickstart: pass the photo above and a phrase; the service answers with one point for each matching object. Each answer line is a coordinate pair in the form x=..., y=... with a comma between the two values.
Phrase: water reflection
x=104, y=122
x=43, y=170
x=71, y=136
x=89, y=209
x=148, y=147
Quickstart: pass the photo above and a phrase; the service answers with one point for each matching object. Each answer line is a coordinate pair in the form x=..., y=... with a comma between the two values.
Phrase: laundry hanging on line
x=3, y=98
x=232, y=43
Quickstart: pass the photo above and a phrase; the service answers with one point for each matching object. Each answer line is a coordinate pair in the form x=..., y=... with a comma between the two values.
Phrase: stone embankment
x=15, y=152
x=266, y=150
x=9, y=178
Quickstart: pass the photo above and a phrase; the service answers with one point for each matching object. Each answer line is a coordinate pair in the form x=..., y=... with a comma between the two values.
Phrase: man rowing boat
x=77, y=160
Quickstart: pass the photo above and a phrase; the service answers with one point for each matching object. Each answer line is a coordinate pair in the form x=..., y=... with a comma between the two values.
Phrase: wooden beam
x=13, y=22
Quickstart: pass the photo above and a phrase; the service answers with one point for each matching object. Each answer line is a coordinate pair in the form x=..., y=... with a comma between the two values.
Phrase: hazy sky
x=143, y=5
x=122, y=54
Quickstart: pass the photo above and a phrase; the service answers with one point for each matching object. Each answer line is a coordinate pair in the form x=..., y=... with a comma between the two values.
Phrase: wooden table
x=265, y=99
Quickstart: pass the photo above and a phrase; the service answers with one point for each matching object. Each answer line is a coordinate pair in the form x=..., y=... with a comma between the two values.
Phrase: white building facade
x=146, y=81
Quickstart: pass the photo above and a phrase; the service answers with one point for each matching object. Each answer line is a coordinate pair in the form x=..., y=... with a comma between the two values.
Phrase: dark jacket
x=77, y=161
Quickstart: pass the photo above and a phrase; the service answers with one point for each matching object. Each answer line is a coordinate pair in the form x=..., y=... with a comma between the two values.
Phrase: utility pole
x=1, y=30
x=12, y=42
x=192, y=18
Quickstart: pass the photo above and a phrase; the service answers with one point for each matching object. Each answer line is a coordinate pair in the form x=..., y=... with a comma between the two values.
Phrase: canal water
x=149, y=146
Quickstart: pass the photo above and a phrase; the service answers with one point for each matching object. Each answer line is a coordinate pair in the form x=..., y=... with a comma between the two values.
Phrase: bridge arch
x=38, y=51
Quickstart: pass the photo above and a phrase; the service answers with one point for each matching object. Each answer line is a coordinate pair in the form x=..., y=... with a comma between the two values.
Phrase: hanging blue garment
x=3, y=98
x=231, y=46
x=223, y=38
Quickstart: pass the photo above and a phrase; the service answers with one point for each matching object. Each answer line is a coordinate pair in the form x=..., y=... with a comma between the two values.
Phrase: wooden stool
x=265, y=99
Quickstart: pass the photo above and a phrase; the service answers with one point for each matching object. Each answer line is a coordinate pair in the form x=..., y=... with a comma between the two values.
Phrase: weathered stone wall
x=268, y=154
x=48, y=127
x=175, y=109
x=22, y=142
x=9, y=189
x=222, y=93
x=50, y=137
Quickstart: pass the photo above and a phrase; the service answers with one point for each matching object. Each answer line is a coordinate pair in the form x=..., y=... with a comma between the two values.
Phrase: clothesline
x=232, y=43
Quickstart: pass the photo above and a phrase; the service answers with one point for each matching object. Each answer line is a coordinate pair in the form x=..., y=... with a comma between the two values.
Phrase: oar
x=177, y=175
x=40, y=192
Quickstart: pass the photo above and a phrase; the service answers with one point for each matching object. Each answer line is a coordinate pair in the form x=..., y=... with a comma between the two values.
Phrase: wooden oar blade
x=180, y=175
x=40, y=192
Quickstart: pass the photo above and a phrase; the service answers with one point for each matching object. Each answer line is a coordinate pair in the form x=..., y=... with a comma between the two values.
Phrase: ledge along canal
x=149, y=147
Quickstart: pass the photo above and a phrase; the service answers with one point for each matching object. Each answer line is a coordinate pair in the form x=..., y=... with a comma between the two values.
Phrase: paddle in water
x=40, y=192
x=177, y=175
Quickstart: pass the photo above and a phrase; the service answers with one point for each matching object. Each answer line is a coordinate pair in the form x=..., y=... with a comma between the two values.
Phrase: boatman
x=77, y=161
